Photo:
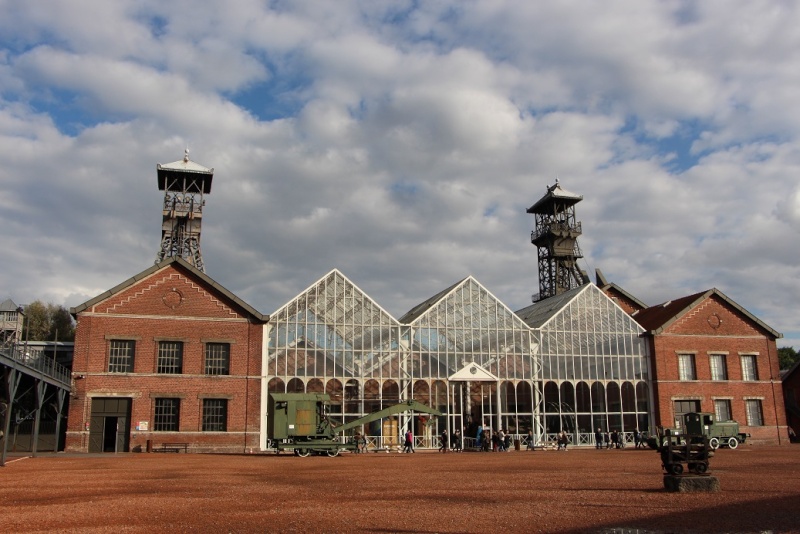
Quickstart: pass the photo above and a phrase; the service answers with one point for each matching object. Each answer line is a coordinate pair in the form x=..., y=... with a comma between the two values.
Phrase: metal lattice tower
x=556, y=237
x=184, y=183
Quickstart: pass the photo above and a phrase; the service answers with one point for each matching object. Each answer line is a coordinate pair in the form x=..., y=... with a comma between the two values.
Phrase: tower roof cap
x=555, y=192
x=185, y=166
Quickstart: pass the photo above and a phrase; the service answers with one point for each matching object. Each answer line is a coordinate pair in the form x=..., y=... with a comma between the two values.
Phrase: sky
x=402, y=141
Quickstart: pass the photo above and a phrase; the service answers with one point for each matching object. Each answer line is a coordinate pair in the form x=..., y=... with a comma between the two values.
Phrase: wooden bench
x=172, y=447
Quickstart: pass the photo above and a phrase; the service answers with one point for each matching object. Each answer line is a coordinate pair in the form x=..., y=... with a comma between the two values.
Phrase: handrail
x=38, y=361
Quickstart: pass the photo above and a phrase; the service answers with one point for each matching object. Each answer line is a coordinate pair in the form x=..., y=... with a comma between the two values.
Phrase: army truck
x=300, y=422
x=719, y=433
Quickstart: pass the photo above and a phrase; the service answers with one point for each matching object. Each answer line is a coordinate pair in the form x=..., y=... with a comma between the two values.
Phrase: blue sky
x=401, y=142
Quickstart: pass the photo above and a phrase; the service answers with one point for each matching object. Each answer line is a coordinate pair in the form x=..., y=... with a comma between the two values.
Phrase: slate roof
x=8, y=305
x=540, y=312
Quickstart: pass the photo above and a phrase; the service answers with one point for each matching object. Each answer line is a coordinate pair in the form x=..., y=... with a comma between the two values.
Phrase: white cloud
x=414, y=138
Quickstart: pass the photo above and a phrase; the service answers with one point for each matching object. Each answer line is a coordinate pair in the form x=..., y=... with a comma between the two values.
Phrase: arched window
x=583, y=398
x=315, y=386
x=352, y=397
x=276, y=385
x=598, y=398
x=628, y=397
x=295, y=385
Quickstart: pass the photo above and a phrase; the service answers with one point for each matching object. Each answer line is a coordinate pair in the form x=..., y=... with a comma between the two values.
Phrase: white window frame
x=719, y=366
x=755, y=412
x=687, y=370
x=752, y=375
x=717, y=412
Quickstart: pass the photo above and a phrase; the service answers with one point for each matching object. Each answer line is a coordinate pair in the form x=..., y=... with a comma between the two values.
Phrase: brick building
x=791, y=395
x=167, y=356
x=709, y=354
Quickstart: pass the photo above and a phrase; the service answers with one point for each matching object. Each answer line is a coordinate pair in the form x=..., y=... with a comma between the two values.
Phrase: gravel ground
x=619, y=491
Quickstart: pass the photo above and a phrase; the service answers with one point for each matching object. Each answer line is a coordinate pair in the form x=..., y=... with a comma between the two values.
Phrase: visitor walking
x=408, y=446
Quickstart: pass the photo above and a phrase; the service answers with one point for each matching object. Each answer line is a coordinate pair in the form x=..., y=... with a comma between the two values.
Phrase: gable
x=168, y=292
x=714, y=316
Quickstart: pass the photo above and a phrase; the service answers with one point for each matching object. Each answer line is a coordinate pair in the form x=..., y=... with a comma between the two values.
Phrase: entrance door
x=109, y=429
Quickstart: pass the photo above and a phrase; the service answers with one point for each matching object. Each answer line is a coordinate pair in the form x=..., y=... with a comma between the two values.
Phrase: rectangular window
x=755, y=417
x=719, y=369
x=215, y=415
x=218, y=356
x=684, y=406
x=120, y=356
x=722, y=409
x=170, y=357
x=749, y=369
x=686, y=369
x=167, y=415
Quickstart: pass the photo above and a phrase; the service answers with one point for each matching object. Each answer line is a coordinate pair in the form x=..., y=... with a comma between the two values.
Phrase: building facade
x=712, y=355
x=167, y=356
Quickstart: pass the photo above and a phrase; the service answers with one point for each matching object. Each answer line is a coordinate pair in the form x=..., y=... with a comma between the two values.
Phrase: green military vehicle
x=719, y=433
x=300, y=422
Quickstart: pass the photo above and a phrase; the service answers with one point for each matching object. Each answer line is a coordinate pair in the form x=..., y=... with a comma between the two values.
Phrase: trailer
x=677, y=450
x=300, y=422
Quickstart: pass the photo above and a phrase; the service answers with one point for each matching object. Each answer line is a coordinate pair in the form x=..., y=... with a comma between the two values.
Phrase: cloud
x=402, y=142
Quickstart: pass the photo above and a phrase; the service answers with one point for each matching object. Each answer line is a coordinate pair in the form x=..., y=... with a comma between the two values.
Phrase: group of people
x=616, y=439
x=454, y=445
x=499, y=441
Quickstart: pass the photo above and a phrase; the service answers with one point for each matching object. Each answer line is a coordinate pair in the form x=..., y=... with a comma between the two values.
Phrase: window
x=215, y=415
x=120, y=356
x=686, y=369
x=722, y=410
x=218, y=356
x=684, y=406
x=755, y=417
x=170, y=357
x=749, y=369
x=719, y=369
x=167, y=415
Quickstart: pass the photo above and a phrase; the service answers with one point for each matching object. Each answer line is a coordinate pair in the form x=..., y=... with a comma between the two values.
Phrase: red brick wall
x=170, y=304
x=714, y=326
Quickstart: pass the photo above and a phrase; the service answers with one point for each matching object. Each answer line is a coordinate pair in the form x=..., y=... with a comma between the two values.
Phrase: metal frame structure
x=595, y=366
x=184, y=184
x=556, y=239
x=16, y=363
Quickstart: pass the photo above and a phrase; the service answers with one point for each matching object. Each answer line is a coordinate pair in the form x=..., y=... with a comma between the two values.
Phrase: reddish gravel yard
x=542, y=491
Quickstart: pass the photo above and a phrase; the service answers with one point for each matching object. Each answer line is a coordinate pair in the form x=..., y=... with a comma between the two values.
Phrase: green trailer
x=300, y=422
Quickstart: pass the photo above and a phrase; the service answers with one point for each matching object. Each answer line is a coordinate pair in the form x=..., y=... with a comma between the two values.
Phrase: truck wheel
x=700, y=468
x=302, y=452
x=713, y=443
x=675, y=469
x=733, y=443
x=333, y=453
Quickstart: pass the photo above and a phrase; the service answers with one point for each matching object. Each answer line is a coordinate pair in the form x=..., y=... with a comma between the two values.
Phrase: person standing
x=444, y=446
x=529, y=447
x=598, y=439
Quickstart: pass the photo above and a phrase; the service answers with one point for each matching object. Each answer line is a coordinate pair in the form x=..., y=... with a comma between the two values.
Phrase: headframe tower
x=556, y=238
x=184, y=184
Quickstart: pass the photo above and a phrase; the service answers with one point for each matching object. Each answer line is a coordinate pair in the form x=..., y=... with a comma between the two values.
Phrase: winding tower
x=556, y=238
x=184, y=184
